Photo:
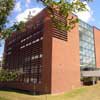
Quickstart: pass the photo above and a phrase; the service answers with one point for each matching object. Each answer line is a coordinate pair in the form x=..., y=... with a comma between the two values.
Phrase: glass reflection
x=87, y=53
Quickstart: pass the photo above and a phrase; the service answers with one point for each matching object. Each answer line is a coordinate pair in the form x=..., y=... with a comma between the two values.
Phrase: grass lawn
x=3, y=98
x=83, y=93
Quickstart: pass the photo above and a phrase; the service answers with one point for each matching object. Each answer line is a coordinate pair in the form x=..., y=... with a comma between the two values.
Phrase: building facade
x=51, y=60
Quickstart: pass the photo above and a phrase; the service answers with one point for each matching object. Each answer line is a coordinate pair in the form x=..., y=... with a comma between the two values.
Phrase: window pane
x=87, y=53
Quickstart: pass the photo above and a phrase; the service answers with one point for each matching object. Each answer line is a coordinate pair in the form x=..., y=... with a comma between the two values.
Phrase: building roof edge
x=96, y=28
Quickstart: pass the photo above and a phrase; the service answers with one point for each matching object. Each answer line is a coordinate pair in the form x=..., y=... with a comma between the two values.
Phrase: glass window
x=87, y=53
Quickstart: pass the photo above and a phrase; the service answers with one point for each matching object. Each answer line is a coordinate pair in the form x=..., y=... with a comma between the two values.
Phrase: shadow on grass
x=26, y=92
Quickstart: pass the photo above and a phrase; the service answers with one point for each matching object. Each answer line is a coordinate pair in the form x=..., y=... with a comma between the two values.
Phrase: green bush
x=6, y=75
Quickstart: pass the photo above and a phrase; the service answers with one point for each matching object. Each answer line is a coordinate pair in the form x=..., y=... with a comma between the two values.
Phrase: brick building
x=51, y=60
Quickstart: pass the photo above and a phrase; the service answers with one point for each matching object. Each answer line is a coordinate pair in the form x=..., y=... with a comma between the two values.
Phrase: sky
x=23, y=7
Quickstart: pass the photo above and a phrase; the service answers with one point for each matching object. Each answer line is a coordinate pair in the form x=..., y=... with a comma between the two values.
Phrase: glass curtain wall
x=87, y=51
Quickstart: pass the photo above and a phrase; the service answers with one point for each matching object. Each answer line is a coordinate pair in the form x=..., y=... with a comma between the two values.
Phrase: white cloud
x=1, y=56
x=26, y=5
x=24, y=15
x=18, y=7
x=1, y=52
x=28, y=1
x=86, y=15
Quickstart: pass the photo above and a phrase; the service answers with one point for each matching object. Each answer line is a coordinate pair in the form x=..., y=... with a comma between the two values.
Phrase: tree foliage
x=5, y=33
x=6, y=6
x=5, y=9
x=65, y=8
x=61, y=7
x=6, y=75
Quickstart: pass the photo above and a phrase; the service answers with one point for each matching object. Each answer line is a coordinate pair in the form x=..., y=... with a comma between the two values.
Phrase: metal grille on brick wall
x=24, y=53
x=58, y=33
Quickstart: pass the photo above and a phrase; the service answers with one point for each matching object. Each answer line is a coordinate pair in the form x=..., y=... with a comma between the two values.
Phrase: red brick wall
x=47, y=50
x=66, y=63
x=97, y=46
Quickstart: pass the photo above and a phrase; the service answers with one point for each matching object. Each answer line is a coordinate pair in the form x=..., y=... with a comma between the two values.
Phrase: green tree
x=65, y=8
x=6, y=6
x=62, y=7
x=6, y=75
